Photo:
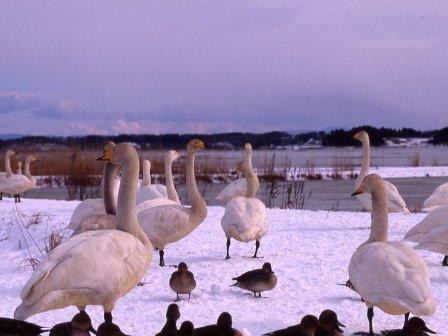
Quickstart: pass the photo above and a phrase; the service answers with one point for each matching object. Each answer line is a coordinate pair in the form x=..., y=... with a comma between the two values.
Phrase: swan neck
x=365, y=164
x=146, y=173
x=198, y=206
x=251, y=180
x=126, y=210
x=27, y=168
x=170, y=189
x=380, y=221
x=109, y=174
x=8, y=165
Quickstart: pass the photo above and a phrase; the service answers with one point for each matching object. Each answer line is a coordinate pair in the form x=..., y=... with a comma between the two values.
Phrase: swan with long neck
x=173, y=198
x=94, y=267
x=394, y=199
x=245, y=218
x=389, y=275
x=18, y=183
x=149, y=191
x=169, y=223
x=239, y=186
x=8, y=171
x=96, y=206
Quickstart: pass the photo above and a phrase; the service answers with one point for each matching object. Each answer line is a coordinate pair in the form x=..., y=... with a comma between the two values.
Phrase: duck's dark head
x=417, y=326
x=267, y=267
x=182, y=267
x=328, y=320
x=173, y=313
x=224, y=321
x=186, y=329
x=82, y=321
x=309, y=323
x=109, y=329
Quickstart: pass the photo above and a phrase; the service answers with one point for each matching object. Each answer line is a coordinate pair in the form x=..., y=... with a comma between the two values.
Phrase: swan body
x=18, y=183
x=436, y=240
x=388, y=274
x=166, y=224
x=147, y=190
x=239, y=186
x=394, y=199
x=434, y=219
x=8, y=171
x=94, y=267
x=438, y=198
x=245, y=218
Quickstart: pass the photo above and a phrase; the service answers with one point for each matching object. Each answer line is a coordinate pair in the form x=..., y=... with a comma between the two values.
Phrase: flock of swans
x=114, y=237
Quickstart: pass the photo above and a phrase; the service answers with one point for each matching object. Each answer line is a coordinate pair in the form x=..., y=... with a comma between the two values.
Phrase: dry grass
x=415, y=160
x=341, y=166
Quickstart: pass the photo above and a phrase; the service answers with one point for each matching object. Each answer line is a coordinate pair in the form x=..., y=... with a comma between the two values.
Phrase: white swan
x=147, y=190
x=432, y=220
x=8, y=172
x=94, y=267
x=394, y=199
x=169, y=223
x=239, y=186
x=388, y=274
x=173, y=198
x=94, y=206
x=104, y=221
x=436, y=241
x=438, y=198
x=18, y=183
x=245, y=218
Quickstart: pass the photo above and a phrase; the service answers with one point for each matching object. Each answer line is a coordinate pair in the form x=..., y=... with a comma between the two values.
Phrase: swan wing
x=154, y=203
x=436, y=240
x=85, y=209
x=434, y=219
x=394, y=199
x=236, y=188
x=96, y=222
x=393, y=277
x=438, y=198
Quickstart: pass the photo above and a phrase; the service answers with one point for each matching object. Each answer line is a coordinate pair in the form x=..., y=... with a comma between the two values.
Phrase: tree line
x=337, y=137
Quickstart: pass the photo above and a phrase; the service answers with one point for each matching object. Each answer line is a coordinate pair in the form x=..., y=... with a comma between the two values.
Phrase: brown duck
x=182, y=281
x=80, y=325
x=414, y=327
x=223, y=327
x=329, y=324
x=257, y=281
x=109, y=329
x=170, y=327
x=186, y=329
x=14, y=327
x=307, y=327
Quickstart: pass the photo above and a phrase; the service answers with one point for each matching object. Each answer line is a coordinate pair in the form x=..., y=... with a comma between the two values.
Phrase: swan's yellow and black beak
x=199, y=145
x=107, y=155
x=357, y=192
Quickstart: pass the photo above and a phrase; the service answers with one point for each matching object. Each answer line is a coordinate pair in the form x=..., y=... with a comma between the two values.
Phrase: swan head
x=361, y=136
x=309, y=322
x=10, y=152
x=108, y=151
x=370, y=183
x=195, y=145
x=329, y=321
x=172, y=155
x=121, y=155
x=173, y=313
x=109, y=329
x=146, y=164
x=267, y=267
x=182, y=267
x=31, y=158
x=82, y=321
x=224, y=321
x=248, y=147
x=186, y=329
x=418, y=326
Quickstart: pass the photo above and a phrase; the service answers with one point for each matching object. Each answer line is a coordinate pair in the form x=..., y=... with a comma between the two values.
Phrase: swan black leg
x=1, y=196
x=161, y=261
x=19, y=198
x=370, y=315
x=406, y=319
x=108, y=317
x=228, y=247
x=189, y=296
x=445, y=261
x=257, y=246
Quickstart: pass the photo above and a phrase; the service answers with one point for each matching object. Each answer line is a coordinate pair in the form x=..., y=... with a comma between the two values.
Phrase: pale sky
x=108, y=67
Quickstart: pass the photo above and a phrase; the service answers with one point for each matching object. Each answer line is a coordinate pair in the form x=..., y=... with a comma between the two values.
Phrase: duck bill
x=338, y=328
x=429, y=330
x=92, y=330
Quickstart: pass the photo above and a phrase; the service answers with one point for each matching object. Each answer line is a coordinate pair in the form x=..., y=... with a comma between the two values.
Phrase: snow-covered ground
x=309, y=252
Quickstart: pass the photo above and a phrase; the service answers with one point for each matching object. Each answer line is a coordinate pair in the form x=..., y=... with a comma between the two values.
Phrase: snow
x=309, y=252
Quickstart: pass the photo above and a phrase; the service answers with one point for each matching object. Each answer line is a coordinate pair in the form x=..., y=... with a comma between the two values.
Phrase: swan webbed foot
x=445, y=261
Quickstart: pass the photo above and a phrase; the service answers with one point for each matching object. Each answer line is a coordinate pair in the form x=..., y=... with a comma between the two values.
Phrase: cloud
x=16, y=102
x=122, y=126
